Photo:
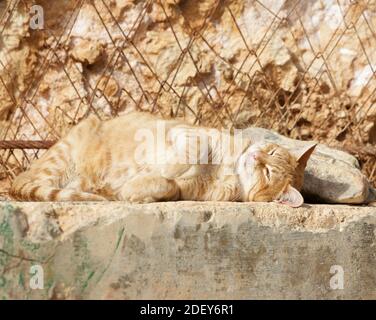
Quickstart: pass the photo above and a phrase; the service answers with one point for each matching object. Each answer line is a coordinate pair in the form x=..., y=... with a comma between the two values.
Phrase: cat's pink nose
x=255, y=155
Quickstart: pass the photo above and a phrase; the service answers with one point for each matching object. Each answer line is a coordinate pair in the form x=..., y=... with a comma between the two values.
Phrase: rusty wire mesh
x=311, y=106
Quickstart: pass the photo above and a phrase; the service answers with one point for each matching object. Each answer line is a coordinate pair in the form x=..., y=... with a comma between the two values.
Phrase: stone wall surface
x=303, y=68
x=188, y=250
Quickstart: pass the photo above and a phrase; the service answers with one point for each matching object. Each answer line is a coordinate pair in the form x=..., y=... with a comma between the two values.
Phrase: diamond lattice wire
x=305, y=69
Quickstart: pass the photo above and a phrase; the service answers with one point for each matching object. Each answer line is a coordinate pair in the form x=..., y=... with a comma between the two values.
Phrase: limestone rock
x=86, y=51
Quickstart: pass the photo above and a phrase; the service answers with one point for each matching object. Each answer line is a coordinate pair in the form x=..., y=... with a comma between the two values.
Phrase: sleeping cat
x=120, y=159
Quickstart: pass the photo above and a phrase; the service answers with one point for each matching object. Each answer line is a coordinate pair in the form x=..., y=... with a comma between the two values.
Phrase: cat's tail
x=37, y=192
x=50, y=177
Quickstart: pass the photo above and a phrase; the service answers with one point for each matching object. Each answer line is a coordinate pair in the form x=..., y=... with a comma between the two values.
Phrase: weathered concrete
x=186, y=250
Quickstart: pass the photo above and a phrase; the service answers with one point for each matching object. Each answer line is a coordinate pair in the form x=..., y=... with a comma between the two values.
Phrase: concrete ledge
x=188, y=250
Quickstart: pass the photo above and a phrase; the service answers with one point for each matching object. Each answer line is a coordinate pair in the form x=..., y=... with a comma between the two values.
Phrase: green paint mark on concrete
x=30, y=246
x=87, y=280
x=49, y=283
x=6, y=235
x=120, y=237
x=9, y=208
x=3, y=281
x=21, y=280
x=5, y=229
x=82, y=260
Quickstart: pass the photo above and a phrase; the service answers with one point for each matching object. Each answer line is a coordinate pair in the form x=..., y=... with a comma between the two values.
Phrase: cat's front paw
x=139, y=200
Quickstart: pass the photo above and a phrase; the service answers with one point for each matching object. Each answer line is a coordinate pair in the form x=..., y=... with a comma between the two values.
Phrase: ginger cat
x=120, y=159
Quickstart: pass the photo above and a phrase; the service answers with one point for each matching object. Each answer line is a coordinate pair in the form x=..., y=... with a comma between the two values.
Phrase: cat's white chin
x=245, y=169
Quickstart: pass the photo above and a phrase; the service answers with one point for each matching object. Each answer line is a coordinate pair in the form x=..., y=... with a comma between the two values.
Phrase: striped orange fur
x=100, y=160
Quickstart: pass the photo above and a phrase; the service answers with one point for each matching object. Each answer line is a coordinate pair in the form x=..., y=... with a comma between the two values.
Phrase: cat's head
x=269, y=172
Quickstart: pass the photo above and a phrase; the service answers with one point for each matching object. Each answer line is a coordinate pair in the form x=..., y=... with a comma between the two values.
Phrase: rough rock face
x=304, y=69
x=186, y=250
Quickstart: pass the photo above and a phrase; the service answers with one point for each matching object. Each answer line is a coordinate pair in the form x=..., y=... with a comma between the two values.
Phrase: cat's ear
x=291, y=197
x=303, y=154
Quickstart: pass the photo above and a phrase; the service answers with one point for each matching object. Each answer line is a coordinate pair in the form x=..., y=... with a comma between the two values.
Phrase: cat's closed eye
x=272, y=151
x=267, y=173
